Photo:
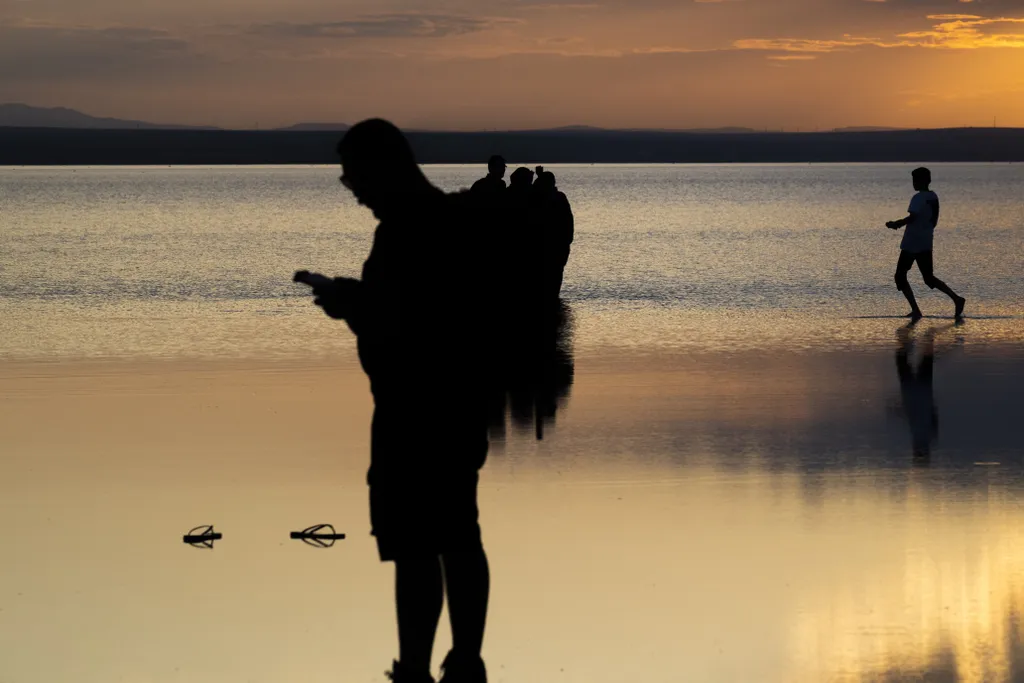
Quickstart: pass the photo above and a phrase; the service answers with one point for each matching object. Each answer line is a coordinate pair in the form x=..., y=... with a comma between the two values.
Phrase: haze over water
x=728, y=495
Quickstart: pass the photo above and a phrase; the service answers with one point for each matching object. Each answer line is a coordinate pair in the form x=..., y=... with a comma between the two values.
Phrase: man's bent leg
x=419, y=595
x=903, y=266
x=924, y=262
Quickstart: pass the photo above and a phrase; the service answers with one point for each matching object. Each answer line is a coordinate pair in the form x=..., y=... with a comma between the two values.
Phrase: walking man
x=917, y=244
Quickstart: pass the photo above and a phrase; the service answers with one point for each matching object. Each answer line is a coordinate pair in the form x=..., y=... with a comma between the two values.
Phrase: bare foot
x=960, y=301
x=914, y=315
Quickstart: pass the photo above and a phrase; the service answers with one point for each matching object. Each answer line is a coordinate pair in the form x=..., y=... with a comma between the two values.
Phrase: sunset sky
x=485, y=64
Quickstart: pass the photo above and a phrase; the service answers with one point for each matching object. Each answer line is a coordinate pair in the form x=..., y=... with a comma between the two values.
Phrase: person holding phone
x=417, y=313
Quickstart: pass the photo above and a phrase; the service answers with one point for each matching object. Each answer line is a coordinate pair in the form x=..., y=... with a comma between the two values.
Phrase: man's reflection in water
x=533, y=368
x=916, y=389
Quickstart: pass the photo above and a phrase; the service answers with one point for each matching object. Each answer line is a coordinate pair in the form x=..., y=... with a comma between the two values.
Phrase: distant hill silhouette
x=317, y=127
x=18, y=115
x=864, y=129
x=594, y=129
x=26, y=116
x=29, y=146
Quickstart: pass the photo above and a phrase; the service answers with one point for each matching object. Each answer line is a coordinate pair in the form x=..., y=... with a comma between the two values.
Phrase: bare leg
x=467, y=579
x=903, y=266
x=958, y=300
x=419, y=595
x=915, y=312
x=925, y=264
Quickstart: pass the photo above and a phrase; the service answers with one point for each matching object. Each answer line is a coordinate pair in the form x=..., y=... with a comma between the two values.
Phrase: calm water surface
x=198, y=262
x=730, y=494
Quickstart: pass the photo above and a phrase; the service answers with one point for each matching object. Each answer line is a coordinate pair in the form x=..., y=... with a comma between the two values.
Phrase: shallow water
x=197, y=262
x=730, y=494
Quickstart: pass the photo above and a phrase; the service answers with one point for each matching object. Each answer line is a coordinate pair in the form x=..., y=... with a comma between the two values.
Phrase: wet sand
x=700, y=515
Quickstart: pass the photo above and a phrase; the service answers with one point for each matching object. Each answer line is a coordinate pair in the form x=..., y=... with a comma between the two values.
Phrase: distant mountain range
x=731, y=130
x=317, y=127
x=26, y=116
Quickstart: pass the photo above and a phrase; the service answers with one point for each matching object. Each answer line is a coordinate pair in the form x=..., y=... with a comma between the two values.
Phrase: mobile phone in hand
x=314, y=280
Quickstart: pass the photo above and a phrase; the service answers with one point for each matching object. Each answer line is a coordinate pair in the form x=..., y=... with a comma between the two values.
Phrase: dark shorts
x=423, y=480
x=924, y=264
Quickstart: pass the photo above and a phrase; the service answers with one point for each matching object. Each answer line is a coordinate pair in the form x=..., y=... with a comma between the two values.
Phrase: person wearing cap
x=493, y=182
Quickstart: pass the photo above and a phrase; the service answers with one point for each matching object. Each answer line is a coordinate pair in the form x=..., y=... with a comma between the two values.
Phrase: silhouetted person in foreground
x=917, y=244
x=556, y=230
x=417, y=320
x=493, y=182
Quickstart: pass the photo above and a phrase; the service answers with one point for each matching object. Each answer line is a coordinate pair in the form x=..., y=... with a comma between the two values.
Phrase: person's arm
x=896, y=225
x=912, y=211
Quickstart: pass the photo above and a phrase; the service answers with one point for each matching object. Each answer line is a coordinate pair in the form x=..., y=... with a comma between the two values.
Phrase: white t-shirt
x=917, y=236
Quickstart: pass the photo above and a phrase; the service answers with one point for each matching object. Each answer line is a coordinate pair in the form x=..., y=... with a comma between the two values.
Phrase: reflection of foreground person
x=916, y=389
x=412, y=313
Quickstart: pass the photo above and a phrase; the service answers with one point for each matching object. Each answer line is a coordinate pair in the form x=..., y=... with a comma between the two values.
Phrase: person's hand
x=891, y=225
x=337, y=298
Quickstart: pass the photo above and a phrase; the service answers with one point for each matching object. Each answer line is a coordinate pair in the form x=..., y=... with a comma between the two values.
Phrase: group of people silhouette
x=459, y=322
x=536, y=227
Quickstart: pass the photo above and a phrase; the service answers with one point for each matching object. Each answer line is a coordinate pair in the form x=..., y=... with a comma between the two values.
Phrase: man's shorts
x=924, y=263
x=423, y=480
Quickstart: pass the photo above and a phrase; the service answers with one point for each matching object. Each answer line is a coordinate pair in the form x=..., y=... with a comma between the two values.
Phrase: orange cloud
x=952, y=32
x=806, y=44
x=963, y=32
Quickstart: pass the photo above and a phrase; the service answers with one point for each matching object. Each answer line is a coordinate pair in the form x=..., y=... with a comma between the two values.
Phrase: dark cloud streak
x=408, y=25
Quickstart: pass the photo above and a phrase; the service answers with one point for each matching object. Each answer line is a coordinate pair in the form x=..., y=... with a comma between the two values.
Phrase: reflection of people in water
x=533, y=368
x=916, y=389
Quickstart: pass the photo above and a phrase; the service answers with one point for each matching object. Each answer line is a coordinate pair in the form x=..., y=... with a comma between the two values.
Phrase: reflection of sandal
x=315, y=536
x=204, y=538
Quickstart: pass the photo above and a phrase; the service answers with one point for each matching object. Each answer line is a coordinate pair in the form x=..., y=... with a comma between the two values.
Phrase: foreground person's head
x=378, y=166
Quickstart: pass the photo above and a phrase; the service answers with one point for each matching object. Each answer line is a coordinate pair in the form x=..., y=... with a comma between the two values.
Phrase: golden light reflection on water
x=620, y=551
x=947, y=607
